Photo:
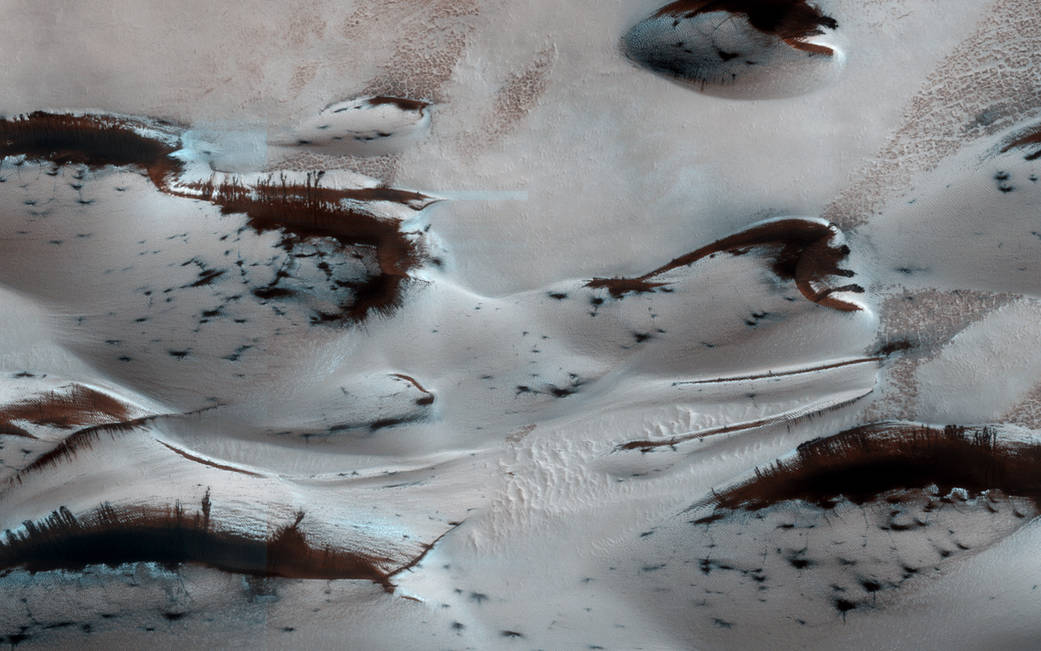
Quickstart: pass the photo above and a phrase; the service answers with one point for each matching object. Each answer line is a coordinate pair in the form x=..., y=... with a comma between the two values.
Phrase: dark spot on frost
x=1002, y=179
x=870, y=585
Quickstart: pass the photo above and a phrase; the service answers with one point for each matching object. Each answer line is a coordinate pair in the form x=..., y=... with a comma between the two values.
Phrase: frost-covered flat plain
x=472, y=324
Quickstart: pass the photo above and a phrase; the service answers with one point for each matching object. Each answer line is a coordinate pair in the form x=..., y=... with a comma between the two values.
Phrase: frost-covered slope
x=472, y=324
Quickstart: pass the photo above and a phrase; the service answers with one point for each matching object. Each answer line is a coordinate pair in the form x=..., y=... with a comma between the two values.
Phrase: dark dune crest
x=80, y=406
x=1030, y=139
x=867, y=463
x=802, y=251
x=171, y=537
x=300, y=211
x=786, y=19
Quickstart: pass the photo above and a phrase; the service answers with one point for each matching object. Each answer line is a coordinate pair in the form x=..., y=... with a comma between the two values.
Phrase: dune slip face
x=461, y=324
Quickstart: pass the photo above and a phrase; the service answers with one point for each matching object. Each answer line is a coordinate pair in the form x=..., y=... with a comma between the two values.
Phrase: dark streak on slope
x=86, y=437
x=803, y=253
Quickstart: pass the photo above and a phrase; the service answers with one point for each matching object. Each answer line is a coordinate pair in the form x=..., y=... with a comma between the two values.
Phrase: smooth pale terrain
x=558, y=160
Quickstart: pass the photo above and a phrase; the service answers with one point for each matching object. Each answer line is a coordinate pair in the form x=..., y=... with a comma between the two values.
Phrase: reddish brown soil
x=801, y=251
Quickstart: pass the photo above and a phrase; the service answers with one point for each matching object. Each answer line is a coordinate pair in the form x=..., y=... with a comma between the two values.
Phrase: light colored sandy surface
x=555, y=160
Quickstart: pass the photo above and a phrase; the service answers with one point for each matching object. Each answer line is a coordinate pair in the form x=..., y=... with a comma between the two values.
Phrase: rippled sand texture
x=468, y=324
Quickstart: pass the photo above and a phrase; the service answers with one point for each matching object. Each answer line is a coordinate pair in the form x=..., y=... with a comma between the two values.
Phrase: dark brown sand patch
x=864, y=463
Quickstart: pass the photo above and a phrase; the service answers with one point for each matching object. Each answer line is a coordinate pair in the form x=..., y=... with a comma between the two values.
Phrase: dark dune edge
x=1031, y=139
x=789, y=20
x=84, y=438
x=865, y=463
x=171, y=537
x=803, y=253
x=299, y=211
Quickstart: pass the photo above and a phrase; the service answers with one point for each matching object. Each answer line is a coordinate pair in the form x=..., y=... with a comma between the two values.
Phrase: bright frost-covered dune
x=473, y=324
